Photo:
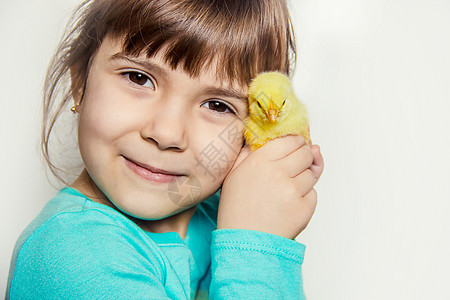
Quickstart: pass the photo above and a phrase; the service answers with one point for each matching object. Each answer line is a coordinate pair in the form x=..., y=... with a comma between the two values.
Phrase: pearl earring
x=73, y=109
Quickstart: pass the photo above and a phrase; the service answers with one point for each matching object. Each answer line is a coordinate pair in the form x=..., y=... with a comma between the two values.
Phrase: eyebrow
x=222, y=92
x=231, y=93
x=145, y=64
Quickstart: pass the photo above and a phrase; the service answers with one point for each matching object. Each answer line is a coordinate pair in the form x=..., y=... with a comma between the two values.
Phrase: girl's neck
x=176, y=223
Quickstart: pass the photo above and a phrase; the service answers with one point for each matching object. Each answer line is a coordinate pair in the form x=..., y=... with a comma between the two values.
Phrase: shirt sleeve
x=249, y=264
x=84, y=257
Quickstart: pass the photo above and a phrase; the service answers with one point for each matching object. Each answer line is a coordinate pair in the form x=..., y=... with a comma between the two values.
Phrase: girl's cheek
x=216, y=158
x=105, y=111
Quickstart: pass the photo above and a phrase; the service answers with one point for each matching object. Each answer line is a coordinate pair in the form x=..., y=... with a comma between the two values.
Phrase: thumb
x=317, y=165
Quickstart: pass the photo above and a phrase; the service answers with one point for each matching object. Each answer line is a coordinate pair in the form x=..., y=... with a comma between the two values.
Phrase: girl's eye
x=218, y=106
x=139, y=78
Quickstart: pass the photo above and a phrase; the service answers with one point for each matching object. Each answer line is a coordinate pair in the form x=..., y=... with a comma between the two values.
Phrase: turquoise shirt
x=80, y=249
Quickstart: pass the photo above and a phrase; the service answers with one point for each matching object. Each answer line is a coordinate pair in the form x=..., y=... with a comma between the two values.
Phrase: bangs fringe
x=196, y=34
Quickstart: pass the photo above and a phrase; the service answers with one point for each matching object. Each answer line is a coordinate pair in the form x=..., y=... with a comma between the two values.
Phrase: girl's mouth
x=151, y=173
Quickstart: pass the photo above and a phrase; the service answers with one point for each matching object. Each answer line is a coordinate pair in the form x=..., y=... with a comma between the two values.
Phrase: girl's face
x=139, y=118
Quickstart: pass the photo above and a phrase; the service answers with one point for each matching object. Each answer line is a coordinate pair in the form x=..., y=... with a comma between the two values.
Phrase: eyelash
x=227, y=107
x=148, y=78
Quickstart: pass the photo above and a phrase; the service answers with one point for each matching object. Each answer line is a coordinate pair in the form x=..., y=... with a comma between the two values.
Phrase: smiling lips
x=151, y=173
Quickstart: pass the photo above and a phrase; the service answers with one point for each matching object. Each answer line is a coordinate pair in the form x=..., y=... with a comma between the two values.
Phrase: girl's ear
x=76, y=83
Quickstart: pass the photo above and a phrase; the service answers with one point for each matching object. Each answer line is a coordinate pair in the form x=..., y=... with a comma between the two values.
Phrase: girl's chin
x=157, y=206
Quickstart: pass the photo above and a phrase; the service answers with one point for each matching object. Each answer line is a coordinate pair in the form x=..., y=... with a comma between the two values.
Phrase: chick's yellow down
x=274, y=110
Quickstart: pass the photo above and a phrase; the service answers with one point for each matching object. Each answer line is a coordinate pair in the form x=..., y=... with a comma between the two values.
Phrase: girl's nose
x=166, y=126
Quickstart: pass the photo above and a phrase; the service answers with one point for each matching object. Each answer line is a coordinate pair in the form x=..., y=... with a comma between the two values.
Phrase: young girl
x=158, y=89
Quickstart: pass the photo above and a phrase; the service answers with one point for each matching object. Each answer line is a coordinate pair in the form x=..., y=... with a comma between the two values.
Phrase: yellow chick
x=274, y=110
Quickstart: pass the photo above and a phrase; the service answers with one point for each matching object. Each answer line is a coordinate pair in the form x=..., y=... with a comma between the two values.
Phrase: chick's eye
x=218, y=106
x=259, y=104
x=139, y=79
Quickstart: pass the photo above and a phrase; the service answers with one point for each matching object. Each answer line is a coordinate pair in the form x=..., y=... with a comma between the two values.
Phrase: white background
x=375, y=75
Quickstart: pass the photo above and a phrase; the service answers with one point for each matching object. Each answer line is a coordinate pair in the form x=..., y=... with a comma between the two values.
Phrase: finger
x=305, y=182
x=281, y=146
x=318, y=163
x=297, y=161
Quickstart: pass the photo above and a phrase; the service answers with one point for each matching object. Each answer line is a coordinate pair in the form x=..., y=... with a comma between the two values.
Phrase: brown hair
x=243, y=37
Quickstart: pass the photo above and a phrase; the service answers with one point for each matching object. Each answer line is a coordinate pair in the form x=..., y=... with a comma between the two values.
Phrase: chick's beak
x=272, y=113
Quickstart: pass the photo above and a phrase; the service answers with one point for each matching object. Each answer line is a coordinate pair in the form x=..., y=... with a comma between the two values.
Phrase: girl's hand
x=271, y=189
